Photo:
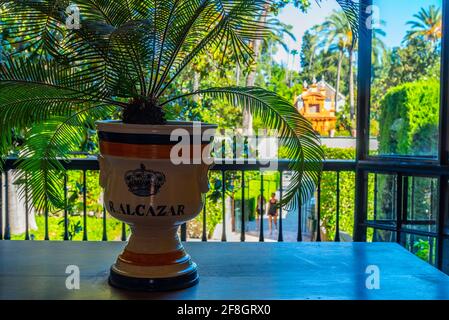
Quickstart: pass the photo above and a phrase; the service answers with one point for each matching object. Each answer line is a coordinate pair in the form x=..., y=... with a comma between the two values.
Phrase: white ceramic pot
x=145, y=187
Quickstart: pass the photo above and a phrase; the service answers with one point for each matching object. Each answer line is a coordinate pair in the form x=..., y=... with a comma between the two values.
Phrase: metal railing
x=91, y=164
x=400, y=226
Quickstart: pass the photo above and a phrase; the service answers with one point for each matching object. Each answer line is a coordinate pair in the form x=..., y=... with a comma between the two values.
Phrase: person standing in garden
x=273, y=213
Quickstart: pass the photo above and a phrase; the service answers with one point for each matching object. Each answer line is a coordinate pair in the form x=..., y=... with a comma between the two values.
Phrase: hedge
x=409, y=119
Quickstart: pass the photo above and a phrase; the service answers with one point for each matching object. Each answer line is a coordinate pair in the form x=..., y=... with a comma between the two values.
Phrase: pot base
x=153, y=285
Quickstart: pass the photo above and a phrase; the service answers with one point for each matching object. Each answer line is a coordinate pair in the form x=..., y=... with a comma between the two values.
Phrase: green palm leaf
x=295, y=132
x=31, y=93
x=47, y=146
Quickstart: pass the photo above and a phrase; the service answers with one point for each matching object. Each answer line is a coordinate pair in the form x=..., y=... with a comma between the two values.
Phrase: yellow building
x=317, y=104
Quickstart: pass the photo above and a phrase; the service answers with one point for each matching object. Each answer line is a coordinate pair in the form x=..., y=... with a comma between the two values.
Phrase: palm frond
x=40, y=165
x=33, y=93
x=351, y=10
x=296, y=133
x=209, y=25
x=38, y=28
x=34, y=25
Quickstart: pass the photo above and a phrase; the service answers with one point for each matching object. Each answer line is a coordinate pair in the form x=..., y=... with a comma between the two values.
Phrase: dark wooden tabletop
x=36, y=270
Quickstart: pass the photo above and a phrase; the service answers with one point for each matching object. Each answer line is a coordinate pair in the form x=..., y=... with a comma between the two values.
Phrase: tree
x=416, y=61
x=338, y=36
x=409, y=119
x=309, y=47
x=427, y=24
x=350, y=9
x=337, y=30
x=294, y=53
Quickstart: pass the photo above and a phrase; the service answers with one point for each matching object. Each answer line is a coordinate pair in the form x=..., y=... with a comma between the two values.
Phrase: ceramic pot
x=154, y=183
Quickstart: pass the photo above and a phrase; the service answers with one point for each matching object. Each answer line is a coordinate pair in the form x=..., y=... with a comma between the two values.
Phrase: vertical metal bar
x=363, y=111
x=337, y=222
x=46, y=237
x=242, y=233
x=184, y=232
x=66, y=216
x=442, y=258
x=442, y=244
x=245, y=148
x=204, y=236
x=27, y=211
x=223, y=205
x=429, y=227
x=299, y=236
x=399, y=205
x=280, y=235
x=245, y=156
x=262, y=210
x=7, y=235
x=404, y=208
x=105, y=233
x=412, y=204
x=394, y=198
x=123, y=238
x=234, y=149
x=84, y=206
x=431, y=255
x=375, y=196
x=1, y=205
x=318, y=212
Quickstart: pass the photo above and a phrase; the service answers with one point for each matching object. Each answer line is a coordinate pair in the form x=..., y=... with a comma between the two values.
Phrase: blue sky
x=395, y=14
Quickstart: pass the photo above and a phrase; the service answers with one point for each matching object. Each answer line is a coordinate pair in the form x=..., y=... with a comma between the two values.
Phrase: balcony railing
x=91, y=164
x=400, y=228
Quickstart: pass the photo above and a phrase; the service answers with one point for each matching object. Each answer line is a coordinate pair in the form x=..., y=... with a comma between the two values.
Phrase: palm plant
x=427, y=24
x=340, y=37
x=126, y=56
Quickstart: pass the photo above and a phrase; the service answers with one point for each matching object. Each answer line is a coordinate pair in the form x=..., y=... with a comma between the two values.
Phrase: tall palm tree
x=294, y=53
x=427, y=24
x=340, y=37
x=127, y=56
x=278, y=38
x=315, y=45
x=350, y=9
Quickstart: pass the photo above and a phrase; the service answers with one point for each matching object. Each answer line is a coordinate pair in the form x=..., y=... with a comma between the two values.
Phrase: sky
x=394, y=13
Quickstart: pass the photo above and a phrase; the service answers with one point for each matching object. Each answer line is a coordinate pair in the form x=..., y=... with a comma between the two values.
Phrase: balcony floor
x=36, y=270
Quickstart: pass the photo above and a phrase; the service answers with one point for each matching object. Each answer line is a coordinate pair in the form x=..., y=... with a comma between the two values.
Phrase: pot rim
x=119, y=126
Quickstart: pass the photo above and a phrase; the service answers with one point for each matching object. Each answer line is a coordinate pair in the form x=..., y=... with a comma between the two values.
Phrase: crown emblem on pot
x=144, y=183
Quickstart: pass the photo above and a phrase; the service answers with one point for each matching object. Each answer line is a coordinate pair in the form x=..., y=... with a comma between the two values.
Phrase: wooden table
x=36, y=270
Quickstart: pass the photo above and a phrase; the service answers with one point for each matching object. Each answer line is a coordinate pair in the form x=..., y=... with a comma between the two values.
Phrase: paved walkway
x=289, y=228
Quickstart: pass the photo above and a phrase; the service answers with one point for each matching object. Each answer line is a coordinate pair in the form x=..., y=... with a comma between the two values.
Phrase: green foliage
x=418, y=60
x=427, y=24
x=253, y=187
x=127, y=55
x=329, y=191
x=56, y=228
x=276, y=82
x=93, y=192
x=73, y=228
x=422, y=248
x=409, y=119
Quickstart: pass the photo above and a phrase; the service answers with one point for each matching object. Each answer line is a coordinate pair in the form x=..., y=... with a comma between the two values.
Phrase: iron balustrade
x=227, y=165
x=400, y=226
